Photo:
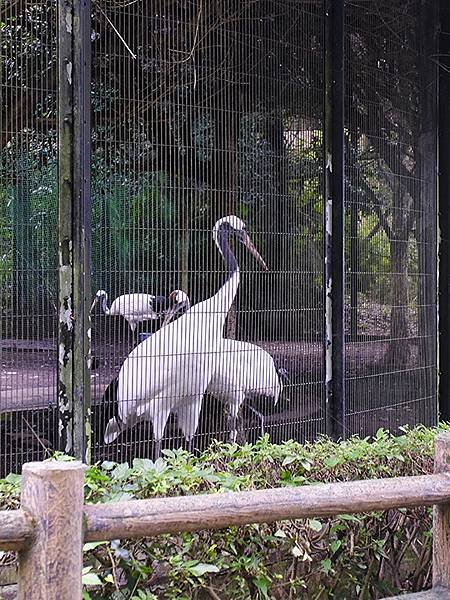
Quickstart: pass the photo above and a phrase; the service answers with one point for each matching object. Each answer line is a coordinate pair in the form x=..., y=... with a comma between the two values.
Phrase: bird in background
x=134, y=308
x=244, y=371
x=170, y=371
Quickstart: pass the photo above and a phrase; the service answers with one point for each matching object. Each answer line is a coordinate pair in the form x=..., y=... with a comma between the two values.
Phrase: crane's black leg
x=261, y=418
x=232, y=426
x=233, y=421
x=157, y=449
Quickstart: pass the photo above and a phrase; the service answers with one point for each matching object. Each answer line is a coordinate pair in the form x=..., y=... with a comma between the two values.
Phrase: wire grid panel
x=28, y=238
x=202, y=111
x=391, y=374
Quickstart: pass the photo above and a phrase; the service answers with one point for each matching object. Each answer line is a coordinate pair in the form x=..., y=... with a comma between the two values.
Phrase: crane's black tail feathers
x=114, y=426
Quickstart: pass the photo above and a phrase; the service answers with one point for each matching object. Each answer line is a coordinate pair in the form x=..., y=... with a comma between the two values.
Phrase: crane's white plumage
x=134, y=308
x=242, y=370
x=171, y=370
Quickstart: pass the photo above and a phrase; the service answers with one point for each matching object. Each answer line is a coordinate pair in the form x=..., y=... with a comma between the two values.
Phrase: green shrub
x=350, y=556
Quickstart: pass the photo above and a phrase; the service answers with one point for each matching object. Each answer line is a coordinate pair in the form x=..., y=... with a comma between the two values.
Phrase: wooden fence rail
x=50, y=527
x=140, y=518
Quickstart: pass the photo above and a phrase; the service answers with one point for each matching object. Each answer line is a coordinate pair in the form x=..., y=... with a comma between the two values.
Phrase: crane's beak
x=245, y=239
x=93, y=304
x=180, y=307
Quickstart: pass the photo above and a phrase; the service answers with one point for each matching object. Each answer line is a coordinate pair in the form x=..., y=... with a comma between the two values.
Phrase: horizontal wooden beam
x=16, y=529
x=141, y=518
x=434, y=594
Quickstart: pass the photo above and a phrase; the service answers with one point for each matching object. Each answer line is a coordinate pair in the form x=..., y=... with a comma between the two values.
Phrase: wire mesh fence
x=28, y=238
x=197, y=117
x=391, y=215
x=201, y=111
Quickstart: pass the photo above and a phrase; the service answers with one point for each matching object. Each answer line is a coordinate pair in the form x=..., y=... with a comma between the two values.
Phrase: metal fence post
x=334, y=217
x=444, y=211
x=50, y=567
x=426, y=203
x=74, y=33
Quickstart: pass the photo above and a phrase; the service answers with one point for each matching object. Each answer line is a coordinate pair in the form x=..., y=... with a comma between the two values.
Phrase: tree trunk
x=399, y=349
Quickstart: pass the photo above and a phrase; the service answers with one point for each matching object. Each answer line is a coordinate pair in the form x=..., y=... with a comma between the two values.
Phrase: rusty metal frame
x=334, y=218
x=74, y=229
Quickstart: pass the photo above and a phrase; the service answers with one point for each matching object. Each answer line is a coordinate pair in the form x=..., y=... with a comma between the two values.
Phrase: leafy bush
x=350, y=556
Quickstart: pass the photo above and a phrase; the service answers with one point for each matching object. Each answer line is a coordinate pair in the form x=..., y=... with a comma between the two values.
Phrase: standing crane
x=170, y=371
x=243, y=370
x=134, y=308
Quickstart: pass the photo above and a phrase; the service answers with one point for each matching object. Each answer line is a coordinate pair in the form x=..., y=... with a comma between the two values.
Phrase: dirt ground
x=376, y=397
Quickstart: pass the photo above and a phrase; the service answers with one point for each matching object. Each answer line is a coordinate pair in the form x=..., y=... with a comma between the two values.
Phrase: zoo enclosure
x=305, y=117
x=53, y=522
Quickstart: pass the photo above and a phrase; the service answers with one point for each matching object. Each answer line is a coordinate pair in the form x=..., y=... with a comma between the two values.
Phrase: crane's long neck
x=223, y=243
x=229, y=289
x=105, y=307
x=222, y=239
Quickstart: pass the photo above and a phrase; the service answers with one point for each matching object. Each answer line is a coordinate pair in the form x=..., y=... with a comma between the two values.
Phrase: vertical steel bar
x=82, y=230
x=334, y=217
x=65, y=242
x=444, y=210
x=327, y=159
x=74, y=226
x=354, y=253
x=426, y=205
x=353, y=271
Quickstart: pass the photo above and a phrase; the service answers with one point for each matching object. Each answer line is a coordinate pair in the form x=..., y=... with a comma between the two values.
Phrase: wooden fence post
x=50, y=568
x=441, y=518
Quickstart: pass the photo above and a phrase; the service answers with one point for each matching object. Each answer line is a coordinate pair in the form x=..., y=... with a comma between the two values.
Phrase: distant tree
x=389, y=74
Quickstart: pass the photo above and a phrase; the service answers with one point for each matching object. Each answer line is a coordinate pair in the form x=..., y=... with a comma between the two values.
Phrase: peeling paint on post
x=334, y=219
x=328, y=303
x=74, y=227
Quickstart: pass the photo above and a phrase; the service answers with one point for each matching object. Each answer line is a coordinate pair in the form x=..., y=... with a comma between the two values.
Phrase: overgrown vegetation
x=351, y=556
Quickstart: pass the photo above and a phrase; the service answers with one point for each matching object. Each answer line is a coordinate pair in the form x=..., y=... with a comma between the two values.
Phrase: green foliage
x=350, y=556
x=307, y=193
x=28, y=231
x=148, y=224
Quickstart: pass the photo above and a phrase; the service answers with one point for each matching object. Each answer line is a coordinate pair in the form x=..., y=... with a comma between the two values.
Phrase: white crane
x=134, y=308
x=170, y=371
x=243, y=370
